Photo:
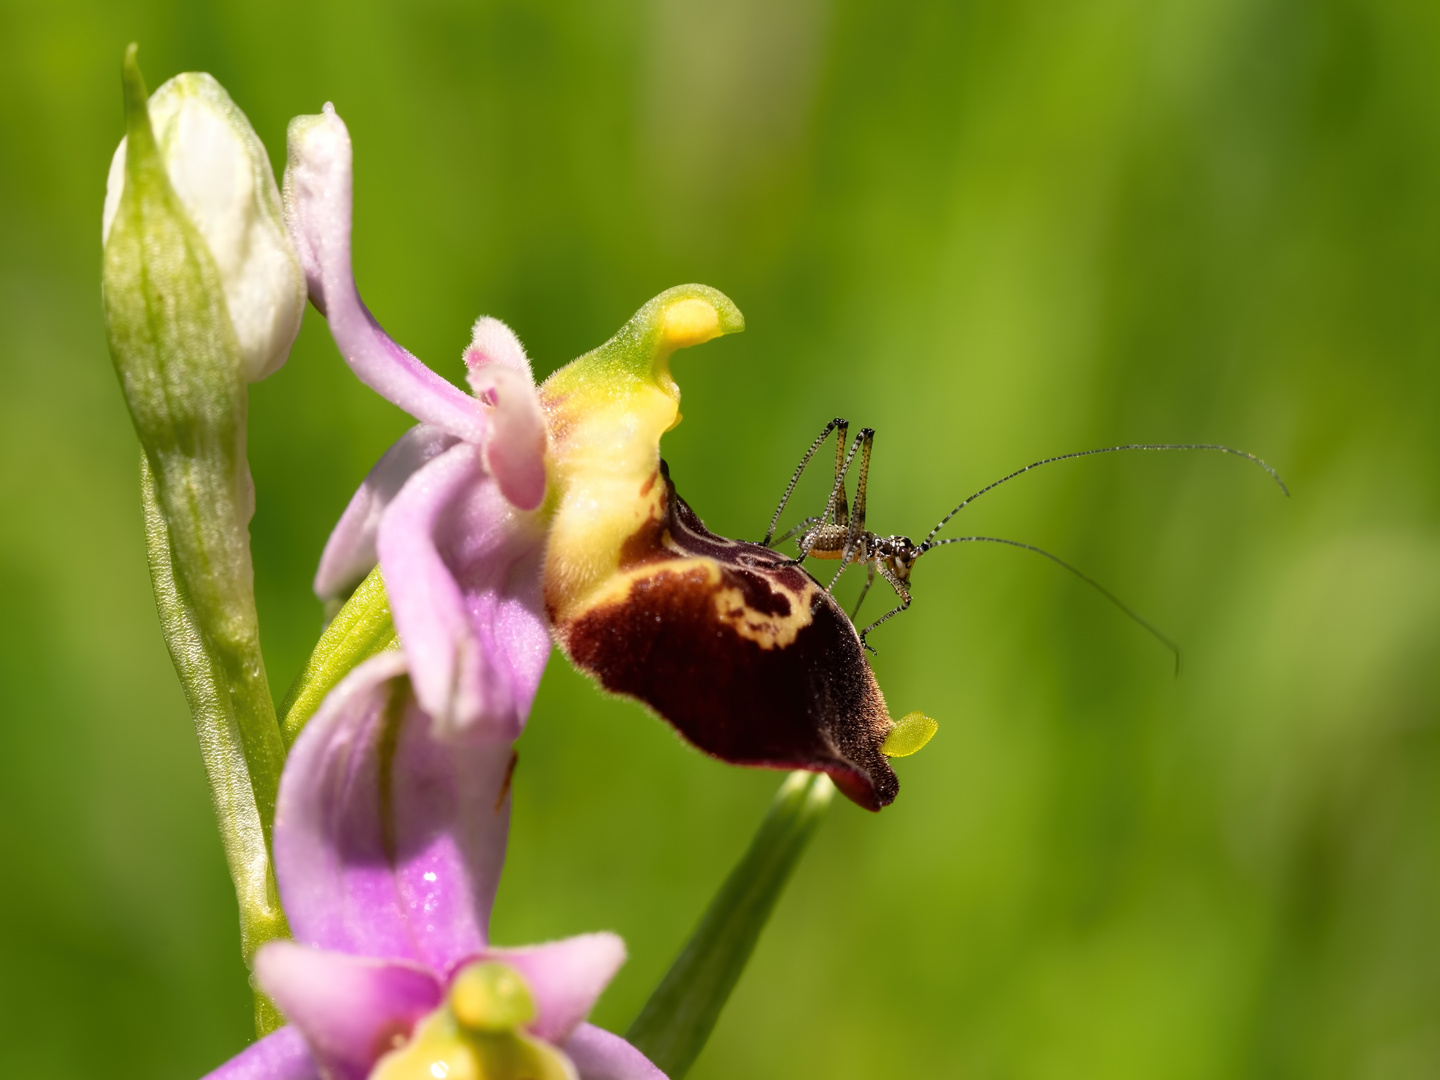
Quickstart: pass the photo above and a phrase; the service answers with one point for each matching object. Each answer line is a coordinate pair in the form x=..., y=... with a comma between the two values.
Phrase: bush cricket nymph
x=839, y=532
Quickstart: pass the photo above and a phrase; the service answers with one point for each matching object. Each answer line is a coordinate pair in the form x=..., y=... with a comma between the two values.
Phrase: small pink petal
x=599, y=1055
x=566, y=977
x=281, y=1055
x=350, y=552
x=462, y=571
x=492, y=342
x=351, y=1010
x=406, y=872
x=318, y=201
x=515, y=441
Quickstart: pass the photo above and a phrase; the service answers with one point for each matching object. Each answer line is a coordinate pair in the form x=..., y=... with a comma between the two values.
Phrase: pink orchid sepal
x=388, y=848
x=452, y=512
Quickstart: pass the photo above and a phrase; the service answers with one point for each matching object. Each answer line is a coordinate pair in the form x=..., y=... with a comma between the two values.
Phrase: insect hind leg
x=844, y=426
x=856, y=537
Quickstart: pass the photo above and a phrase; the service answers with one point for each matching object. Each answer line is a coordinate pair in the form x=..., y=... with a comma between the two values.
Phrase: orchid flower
x=450, y=510
x=388, y=846
x=517, y=513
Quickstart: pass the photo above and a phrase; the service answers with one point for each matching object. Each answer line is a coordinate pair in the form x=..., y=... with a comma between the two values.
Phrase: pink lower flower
x=388, y=849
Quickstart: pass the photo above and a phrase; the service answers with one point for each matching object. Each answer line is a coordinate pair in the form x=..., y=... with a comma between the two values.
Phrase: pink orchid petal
x=462, y=571
x=281, y=1055
x=492, y=342
x=515, y=443
x=599, y=1055
x=565, y=977
x=350, y=1009
x=350, y=552
x=408, y=872
x=318, y=202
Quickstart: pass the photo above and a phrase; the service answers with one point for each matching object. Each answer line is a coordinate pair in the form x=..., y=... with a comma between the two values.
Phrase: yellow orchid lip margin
x=742, y=651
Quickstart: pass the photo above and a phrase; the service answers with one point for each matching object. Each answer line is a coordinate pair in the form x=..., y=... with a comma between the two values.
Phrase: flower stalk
x=243, y=829
x=672, y=1028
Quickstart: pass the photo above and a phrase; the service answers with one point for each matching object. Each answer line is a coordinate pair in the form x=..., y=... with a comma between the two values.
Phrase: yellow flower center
x=476, y=1034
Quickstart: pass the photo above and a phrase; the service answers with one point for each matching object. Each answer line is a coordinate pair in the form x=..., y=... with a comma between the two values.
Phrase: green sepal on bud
x=219, y=172
x=477, y=1034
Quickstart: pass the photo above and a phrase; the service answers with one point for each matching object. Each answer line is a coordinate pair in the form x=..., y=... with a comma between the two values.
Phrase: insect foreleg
x=901, y=591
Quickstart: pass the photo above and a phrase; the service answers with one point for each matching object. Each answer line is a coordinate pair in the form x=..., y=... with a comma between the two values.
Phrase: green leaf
x=672, y=1027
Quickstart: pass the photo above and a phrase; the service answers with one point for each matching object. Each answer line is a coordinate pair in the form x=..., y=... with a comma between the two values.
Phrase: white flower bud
x=221, y=174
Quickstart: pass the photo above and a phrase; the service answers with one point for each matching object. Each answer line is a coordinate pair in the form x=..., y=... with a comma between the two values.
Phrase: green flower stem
x=672, y=1027
x=208, y=693
x=361, y=629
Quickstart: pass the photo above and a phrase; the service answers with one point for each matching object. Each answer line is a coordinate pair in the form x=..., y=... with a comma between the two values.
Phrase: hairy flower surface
x=388, y=848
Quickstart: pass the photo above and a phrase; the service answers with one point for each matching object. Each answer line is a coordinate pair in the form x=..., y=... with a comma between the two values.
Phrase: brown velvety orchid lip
x=746, y=655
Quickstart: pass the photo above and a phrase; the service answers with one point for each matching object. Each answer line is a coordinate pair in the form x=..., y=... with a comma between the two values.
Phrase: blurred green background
x=992, y=229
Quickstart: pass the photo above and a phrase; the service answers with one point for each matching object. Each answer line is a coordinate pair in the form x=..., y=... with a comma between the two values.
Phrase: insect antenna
x=1106, y=450
x=1154, y=631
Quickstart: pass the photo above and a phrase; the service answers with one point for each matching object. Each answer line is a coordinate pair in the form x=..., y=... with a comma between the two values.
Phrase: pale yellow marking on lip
x=616, y=590
x=769, y=631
